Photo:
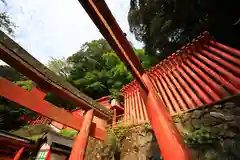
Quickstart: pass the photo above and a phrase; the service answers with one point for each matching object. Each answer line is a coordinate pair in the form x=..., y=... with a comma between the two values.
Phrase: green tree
x=89, y=72
x=11, y=113
x=146, y=60
x=5, y=21
x=27, y=84
x=166, y=25
x=60, y=66
x=50, y=97
x=97, y=71
x=59, y=102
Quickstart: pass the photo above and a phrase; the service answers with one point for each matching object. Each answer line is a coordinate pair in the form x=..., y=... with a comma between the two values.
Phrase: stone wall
x=128, y=143
x=212, y=132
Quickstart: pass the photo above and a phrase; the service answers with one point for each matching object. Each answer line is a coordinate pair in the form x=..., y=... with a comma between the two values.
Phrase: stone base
x=212, y=132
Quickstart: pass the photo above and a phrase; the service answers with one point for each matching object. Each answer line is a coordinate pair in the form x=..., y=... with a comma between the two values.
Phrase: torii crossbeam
x=169, y=139
x=14, y=55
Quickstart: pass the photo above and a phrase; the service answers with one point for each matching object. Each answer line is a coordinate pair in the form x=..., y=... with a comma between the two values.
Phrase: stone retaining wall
x=212, y=132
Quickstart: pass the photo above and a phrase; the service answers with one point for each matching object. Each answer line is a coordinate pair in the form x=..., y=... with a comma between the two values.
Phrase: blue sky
x=57, y=28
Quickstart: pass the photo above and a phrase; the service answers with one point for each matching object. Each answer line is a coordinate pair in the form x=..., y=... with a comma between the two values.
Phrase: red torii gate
x=169, y=139
x=203, y=72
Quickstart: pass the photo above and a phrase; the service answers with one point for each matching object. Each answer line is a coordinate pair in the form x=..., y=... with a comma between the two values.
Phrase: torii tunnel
x=157, y=109
x=201, y=73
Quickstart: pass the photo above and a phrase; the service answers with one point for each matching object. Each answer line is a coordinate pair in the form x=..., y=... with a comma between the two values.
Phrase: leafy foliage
x=6, y=24
x=165, y=25
x=5, y=21
x=32, y=132
x=147, y=126
x=112, y=141
x=11, y=113
x=70, y=133
x=59, y=102
x=27, y=85
x=60, y=67
x=97, y=71
x=201, y=136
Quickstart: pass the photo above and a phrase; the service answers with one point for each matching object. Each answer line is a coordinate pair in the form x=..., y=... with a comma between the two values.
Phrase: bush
x=201, y=136
x=70, y=133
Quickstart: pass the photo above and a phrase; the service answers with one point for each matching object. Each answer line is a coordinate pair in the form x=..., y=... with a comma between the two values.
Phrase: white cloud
x=58, y=27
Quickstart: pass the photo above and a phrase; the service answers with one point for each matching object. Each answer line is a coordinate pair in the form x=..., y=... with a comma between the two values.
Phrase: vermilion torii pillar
x=81, y=140
x=18, y=154
x=35, y=102
x=169, y=139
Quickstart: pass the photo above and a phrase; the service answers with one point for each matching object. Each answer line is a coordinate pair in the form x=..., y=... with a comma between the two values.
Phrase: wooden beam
x=169, y=139
x=19, y=154
x=80, y=143
x=21, y=60
x=36, y=103
x=102, y=17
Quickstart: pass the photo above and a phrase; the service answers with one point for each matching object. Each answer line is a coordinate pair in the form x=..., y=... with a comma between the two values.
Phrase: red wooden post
x=213, y=73
x=208, y=80
x=81, y=140
x=128, y=106
x=48, y=157
x=144, y=109
x=177, y=103
x=153, y=82
x=163, y=93
x=176, y=87
x=18, y=154
x=114, y=117
x=136, y=106
x=197, y=89
x=174, y=91
x=226, y=48
x=171, y=144
x=194, y=96
x=38, y=92
x=132, y=116
x=219, y=60
x=172, y=103
x=181, y=90
x=35, y=103
x=206, y=89
x=167, y=135
x=140, y=106
x=125, y=108
x=234, y=80
x=221, y=53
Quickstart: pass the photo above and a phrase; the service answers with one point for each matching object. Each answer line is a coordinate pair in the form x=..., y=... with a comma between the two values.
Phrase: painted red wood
x=114, y=117
x=202, y=72
x=35, y=103
x=18, y=154
x=167, y=134
x=81, y=140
